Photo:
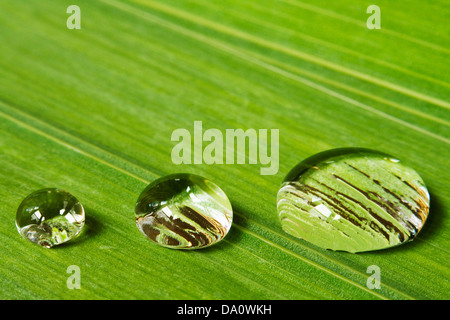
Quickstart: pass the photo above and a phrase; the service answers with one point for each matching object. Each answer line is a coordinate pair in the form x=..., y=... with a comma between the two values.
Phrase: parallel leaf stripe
x=241, y=54
x=293, y=52
x=341, y=17
x=314, y=40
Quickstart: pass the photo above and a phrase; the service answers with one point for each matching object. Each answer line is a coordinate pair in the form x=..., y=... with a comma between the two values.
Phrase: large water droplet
x=50, y=217
x=353, y=200
x=183, y=211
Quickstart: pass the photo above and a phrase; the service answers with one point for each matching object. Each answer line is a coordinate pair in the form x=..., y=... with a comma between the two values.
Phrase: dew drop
x=183, y=211
x=50, y=217
x=353, y=200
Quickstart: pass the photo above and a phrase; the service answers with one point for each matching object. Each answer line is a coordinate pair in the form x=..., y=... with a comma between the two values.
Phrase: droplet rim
x=319, y=158
x=195, y=179
x=47, y=243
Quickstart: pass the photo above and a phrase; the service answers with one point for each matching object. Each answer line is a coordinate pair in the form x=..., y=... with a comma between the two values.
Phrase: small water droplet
x=183, y=211
x=50, y=217
x=353, y=200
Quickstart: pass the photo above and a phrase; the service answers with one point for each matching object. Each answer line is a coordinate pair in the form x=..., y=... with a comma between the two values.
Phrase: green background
x=92, y=111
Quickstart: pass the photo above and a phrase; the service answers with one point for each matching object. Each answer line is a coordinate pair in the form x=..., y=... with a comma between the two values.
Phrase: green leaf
x=92, y=111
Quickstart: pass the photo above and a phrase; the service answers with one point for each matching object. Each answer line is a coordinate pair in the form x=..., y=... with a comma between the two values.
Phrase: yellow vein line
x=354, y=102
x=69, y=146
x=240, y=275
x=264, y=286
x=312, y=263
x=283, y=236
x=47, y=182
x=275, y=46
x=321, y=42
x=418, y=238
x=341, y=17
x=279, y=268
x=348, y=88
x=125, y=172
x=231, y=50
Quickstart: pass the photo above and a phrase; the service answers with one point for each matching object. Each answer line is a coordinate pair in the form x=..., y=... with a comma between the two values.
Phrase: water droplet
x=353, y=200
x=50, y=217
x=183, y=211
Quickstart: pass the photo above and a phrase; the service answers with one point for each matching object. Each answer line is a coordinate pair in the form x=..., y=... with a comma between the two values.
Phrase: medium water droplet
x=50, y=217
x=183, y=211
x=353, y=200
